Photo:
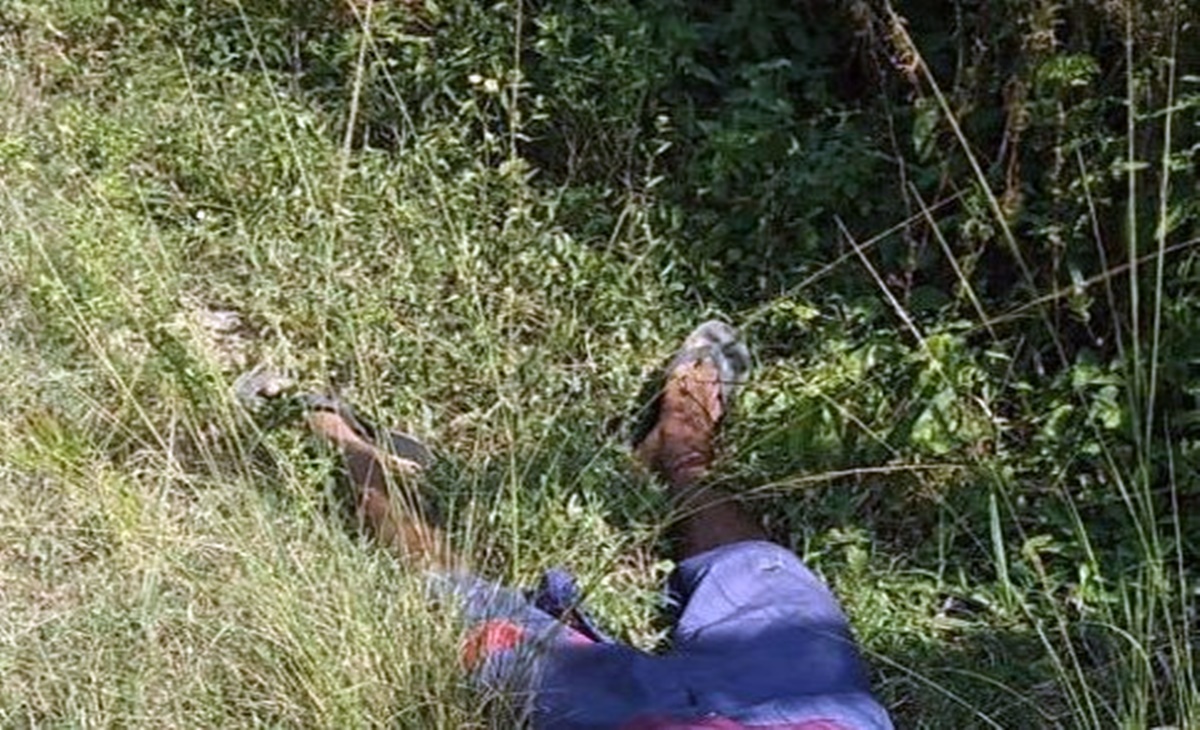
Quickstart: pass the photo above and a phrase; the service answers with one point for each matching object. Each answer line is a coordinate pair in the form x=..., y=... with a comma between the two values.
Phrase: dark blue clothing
x=759, y=641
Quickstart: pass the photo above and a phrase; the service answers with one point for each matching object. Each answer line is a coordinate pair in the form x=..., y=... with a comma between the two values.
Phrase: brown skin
x=679, y=449
x=385, y=495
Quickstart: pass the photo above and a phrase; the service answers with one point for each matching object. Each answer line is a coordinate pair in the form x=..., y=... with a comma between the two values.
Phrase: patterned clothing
x=760, y=642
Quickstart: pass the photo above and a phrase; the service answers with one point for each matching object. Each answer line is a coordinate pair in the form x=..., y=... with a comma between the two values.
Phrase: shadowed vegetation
x=960, y=237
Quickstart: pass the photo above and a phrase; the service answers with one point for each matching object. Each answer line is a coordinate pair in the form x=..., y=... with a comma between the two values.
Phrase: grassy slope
x=164, y=562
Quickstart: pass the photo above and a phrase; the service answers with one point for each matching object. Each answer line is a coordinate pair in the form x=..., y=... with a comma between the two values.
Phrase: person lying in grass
x=758, y=640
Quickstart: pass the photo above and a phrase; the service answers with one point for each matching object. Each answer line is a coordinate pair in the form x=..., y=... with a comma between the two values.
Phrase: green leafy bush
x=961, y=240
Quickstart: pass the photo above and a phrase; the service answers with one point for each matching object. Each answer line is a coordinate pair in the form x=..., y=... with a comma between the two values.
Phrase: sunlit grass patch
x=1000, y=495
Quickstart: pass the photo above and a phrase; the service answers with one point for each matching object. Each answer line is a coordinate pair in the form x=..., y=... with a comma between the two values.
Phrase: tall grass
x=168, y=221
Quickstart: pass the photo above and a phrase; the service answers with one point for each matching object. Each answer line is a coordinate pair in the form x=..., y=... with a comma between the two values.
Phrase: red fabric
x=488, y=638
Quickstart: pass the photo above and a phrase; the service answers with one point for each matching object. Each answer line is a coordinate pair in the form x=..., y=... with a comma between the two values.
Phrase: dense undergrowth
x=959, y=236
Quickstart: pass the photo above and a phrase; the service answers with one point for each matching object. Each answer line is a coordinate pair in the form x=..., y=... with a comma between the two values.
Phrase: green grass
x=1007, y=556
